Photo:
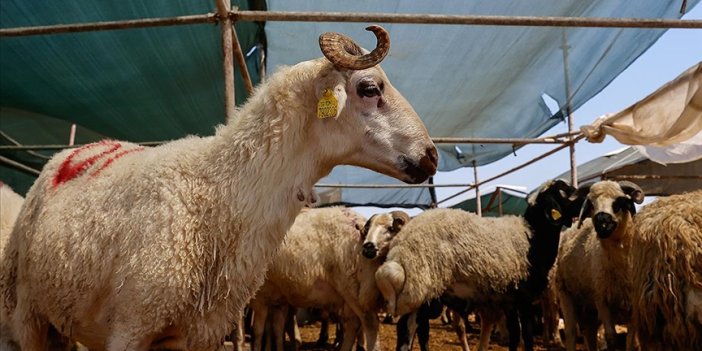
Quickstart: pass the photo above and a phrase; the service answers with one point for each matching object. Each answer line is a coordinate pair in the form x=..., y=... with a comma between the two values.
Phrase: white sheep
x=328, y=260
x=10, y=204
x=128, y=248
x=492, y=263
x=594, y=264
x=667, y=274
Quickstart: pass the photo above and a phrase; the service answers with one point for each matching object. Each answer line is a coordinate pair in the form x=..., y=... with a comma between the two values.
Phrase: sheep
x=10, y=204
x=666, y=293
x=167, y=244
x=594, y=264
x=328, y=260
x=492, y=263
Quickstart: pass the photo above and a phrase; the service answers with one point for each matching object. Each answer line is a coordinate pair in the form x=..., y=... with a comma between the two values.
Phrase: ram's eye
x=368, y=88
x=391, y=229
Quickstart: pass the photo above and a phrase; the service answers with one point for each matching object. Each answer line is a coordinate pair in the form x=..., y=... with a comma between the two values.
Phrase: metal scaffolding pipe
x=20, y=166
x=391, y=186
x=223, y=7
x=569, y=109
x=108, y=25
x=527, y=21
x=514, y=169
x=241, y=63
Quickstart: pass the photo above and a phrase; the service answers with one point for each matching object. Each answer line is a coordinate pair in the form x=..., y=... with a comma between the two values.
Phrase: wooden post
x=569, y=112
x=223, y=7
x=499, y=201
x=241, y=61
x=72, y=135
x=478, y=205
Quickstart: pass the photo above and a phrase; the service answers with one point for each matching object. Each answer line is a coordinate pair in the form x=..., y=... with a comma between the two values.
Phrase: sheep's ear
x=399, y=219
x=366, y=227
x=330, y=90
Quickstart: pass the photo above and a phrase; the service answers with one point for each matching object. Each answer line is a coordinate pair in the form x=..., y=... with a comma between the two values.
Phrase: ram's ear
x=330, y=91
x=399, y=219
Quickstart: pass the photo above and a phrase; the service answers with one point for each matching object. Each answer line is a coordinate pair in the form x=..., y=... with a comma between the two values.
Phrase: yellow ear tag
x=327, y=105
x=555, y=214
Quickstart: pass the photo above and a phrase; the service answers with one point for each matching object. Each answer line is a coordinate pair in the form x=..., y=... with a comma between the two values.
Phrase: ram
x=128, y=248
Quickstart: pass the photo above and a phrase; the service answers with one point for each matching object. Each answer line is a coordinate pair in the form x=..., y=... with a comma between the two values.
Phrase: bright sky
x=676, y=51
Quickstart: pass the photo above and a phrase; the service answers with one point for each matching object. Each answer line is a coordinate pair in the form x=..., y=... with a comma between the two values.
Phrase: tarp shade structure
x=670, y=115
x=139, y=84
x=513, y=203
x=622, y=164
x=478, y=81
x=465, y=81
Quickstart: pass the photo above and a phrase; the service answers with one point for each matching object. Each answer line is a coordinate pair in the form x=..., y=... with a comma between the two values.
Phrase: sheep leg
x=610, y=332
x=406, y=327
x=324, y=331
x=422, y=323
x=351, y=326
x=292, y=330
x=237, y=335
x=487, y=324
x=513, y=328
x=526, y=317
x=32, y=332
x=569, y=320
x=259, y=325
x=278, y=320
x=459, y=325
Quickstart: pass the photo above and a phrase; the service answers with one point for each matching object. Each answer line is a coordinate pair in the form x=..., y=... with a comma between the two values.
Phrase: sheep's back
x=442, y=247
x=667, y=271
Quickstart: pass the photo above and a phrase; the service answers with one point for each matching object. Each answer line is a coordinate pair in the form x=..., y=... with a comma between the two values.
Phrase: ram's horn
x=343, y=51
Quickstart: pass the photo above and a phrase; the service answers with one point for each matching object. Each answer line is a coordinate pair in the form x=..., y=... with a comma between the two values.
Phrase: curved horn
x=633, y=190
x=343, y=51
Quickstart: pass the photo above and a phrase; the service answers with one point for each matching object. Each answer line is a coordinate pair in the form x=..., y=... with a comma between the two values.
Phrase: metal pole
x=72, y=135
x=526, y=21
x=436, y=140
x=513, y=169
x=569, y=112
x=241, y=62
x=223, y=7
x=391, y=186
x=19, y=166
x=478, y=205
x=108, y=25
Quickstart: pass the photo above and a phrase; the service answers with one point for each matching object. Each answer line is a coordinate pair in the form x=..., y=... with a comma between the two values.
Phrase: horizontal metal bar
x=449, y=140
x=649, y=176
x=109, y=25
x=22, y=167
x=464, y=19
x=436, y=140
x=659, y=23
x=391, y=186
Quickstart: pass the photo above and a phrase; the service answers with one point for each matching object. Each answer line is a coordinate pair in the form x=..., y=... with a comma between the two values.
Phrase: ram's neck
x=543, y=249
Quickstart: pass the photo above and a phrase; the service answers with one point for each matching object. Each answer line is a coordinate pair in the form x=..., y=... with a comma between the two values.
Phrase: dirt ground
x=442, y=338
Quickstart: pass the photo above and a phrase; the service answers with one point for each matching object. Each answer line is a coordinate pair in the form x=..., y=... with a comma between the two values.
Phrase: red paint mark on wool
x=114, y=158
x=71, y=168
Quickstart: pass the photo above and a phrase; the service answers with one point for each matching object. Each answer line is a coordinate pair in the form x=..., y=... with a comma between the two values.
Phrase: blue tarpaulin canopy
x=164, y=83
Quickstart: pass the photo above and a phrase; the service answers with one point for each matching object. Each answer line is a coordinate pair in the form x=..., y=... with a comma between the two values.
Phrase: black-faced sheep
x=328, y=260
x=594, y=264
x=130, y=248
x=492, y=263
x=666, y=292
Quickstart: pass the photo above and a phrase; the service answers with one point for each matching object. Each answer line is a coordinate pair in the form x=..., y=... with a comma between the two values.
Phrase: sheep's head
x=610, y=204
x=557, y=201
x=379, y=231
x=363, y=118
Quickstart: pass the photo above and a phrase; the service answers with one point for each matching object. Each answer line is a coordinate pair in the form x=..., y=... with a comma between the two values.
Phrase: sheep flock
x=121, y=247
